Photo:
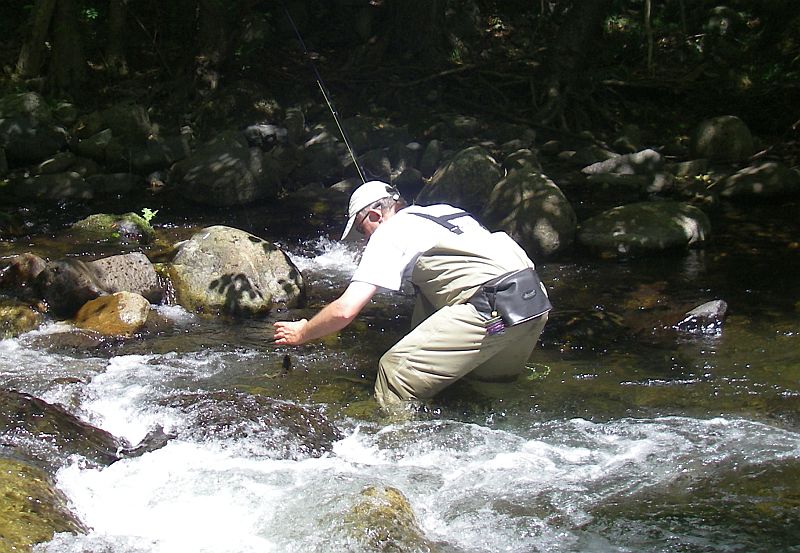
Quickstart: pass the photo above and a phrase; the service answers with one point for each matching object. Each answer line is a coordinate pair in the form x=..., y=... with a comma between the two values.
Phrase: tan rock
x=120, y=314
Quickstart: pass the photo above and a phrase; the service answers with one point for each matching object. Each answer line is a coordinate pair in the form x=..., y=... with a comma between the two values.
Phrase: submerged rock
x=49, y=434
x=704, y=319
x=268, y=427
x=32, y=508
x=383, y=520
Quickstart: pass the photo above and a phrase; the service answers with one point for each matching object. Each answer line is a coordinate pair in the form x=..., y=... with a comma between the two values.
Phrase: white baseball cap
x=363, y=196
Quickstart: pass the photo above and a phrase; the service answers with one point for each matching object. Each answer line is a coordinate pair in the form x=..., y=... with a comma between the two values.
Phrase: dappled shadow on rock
x=238, y=292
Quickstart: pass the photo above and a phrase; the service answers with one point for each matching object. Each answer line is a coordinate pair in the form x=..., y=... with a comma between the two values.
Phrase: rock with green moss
x=32, y=509
x=17, y=318
x=383, y=520
x=125, y=228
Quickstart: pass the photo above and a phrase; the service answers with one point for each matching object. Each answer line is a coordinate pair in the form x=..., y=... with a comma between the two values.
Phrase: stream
x=623, y=435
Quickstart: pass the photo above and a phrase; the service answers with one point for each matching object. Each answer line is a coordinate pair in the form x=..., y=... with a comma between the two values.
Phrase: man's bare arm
x=332, y=318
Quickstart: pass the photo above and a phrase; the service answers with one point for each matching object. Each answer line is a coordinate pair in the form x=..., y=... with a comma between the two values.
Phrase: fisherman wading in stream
x=480, y=306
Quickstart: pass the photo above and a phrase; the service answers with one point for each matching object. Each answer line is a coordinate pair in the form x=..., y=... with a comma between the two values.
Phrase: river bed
x=623, y=435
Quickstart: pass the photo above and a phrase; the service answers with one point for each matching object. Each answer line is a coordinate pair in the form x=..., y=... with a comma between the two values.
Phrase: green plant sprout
x=148, y=214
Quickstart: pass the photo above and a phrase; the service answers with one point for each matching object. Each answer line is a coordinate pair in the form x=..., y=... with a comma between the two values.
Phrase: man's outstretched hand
x=290, y=333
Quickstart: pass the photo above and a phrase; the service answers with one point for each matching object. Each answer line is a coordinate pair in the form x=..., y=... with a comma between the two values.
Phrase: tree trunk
x=577, y=39
x=32, y=54
x=115, y=47
x=67, y=64
x=648, y=31
x=214, y=28
x=414, y=29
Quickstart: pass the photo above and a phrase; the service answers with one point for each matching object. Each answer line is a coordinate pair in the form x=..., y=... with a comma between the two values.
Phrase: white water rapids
x=520, y=486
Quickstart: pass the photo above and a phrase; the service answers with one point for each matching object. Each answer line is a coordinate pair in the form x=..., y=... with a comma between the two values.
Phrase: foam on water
x=332, y=260
x=123, y=399
x=471, y=486
x=33, y=371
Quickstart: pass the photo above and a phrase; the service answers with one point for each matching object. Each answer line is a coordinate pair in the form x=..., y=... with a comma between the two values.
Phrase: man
x=464, y=321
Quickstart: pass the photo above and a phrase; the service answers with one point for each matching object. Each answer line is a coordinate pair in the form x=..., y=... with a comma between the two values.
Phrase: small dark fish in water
x=286, y=367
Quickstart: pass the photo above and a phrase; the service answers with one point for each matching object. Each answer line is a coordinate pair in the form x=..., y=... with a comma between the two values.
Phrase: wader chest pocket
x=515, y=297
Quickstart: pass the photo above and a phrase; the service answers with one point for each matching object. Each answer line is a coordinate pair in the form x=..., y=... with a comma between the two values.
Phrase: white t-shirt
x=394, y=247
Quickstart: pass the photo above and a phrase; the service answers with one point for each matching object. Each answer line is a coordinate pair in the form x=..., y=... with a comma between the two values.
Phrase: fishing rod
x=325, y=94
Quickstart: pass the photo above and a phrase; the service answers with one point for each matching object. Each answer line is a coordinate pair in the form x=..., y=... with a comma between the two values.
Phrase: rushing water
x=624, y=435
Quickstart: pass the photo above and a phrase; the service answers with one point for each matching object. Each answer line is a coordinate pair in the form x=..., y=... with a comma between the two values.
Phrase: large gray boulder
x=127, y=121
x=726, y=139
x=645, y=227
x=66, y=285
x=466, y=180
x=226, y=270
x=27, y=131
x=227, y=171
x=68, y=185
x=28, y=140
x=532, y=209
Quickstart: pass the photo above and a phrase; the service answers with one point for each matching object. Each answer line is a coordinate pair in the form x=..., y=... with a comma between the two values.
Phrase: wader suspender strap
x=444, y=220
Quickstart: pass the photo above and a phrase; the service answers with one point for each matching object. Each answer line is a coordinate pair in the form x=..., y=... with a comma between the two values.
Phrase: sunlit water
x=682, y=447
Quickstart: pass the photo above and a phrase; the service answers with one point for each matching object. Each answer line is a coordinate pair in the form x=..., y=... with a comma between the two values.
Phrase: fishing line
x=325, y=93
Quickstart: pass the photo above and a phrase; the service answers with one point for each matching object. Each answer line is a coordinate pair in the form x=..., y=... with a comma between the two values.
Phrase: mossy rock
x=32, y=509
x=17, y=318
x=383, y=520
x=125, y=228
